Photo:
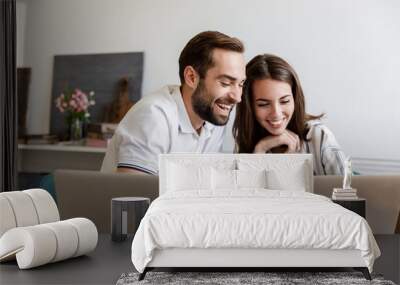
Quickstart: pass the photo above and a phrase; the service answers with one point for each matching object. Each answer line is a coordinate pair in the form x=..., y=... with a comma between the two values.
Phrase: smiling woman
x=271, y=117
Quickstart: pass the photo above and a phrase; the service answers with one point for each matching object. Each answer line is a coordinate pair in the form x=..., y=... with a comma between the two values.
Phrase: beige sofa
x=88, y=194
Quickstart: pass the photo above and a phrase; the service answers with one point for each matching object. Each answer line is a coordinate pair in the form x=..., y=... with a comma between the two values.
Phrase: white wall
x=347, y=52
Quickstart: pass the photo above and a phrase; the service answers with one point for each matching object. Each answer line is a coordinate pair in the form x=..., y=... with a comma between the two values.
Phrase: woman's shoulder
x=314, y=123
x=317, y=128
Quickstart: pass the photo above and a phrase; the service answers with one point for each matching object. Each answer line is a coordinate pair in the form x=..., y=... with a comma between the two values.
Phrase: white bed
x=230, y=211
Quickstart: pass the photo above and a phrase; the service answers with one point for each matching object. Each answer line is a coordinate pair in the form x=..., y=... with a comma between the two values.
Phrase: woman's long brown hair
x=246, y=130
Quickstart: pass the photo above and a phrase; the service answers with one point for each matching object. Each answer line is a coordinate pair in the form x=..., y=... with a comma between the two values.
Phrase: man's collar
x=208, y=126
x=184, y=122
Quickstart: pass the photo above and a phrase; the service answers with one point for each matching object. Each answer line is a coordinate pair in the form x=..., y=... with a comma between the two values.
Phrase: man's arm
x=130, y=170
x=141, y=137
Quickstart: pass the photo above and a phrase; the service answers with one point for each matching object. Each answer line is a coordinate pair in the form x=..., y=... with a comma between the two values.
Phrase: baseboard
x=373, y=166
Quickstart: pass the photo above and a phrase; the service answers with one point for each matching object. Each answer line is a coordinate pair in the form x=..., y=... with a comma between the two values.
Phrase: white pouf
x=26, y=208
x=7, y=220
x=40, y=244
x=31, y=231
x=45, y=206
x=23, y=208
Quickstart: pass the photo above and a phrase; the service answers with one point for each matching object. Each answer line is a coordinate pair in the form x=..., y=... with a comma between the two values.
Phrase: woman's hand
x=291, y=140
x=287, y=138
x=267, y=143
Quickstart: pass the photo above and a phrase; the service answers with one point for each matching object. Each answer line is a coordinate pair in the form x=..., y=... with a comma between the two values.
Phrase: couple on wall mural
x=192, y=117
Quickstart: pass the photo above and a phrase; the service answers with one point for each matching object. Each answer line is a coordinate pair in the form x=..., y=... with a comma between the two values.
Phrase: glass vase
x=76, y=130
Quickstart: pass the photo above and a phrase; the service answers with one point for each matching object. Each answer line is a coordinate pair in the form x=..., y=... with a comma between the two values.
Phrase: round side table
x=124, y=209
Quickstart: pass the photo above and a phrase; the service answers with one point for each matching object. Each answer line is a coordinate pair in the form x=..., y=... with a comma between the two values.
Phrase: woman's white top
x=327, y=154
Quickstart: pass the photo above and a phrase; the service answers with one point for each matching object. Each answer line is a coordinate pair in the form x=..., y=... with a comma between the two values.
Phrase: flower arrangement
x=75, y=104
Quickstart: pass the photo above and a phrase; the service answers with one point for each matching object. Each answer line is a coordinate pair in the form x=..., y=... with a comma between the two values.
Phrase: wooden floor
x=111, y=259
x=102, y=266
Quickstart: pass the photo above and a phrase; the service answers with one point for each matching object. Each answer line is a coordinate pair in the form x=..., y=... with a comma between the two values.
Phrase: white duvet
x=252, y=218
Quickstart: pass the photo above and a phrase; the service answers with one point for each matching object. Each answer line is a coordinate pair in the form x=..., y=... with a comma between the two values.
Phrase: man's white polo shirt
x=158, y=123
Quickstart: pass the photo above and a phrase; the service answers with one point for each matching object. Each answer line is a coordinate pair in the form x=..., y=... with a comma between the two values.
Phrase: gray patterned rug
x=273, y=278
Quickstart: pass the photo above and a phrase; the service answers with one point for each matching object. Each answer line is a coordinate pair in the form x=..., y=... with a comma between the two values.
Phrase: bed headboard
x=281, y=163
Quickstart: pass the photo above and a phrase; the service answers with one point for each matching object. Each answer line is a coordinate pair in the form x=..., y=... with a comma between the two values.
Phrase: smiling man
x=186, y=118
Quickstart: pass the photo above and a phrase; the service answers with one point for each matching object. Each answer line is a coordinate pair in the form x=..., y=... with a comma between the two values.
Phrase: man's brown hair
x=198, y=52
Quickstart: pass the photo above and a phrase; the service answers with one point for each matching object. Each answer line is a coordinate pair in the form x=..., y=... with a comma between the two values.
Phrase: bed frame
x=248, y=259
x=260, y=259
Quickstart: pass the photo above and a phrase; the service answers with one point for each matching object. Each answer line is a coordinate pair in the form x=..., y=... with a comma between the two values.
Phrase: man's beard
x=202, y=104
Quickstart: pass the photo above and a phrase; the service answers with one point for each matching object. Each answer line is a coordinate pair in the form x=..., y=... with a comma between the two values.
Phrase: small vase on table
x=76, y=130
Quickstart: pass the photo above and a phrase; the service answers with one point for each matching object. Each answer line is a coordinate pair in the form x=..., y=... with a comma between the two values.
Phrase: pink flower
x=75, y=103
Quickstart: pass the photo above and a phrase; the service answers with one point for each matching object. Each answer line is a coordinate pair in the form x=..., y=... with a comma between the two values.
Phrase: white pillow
x=292, y=179
x=226, y=179
x=283, y=172
x=182, y=177
x=251, y=178
x=223, y=179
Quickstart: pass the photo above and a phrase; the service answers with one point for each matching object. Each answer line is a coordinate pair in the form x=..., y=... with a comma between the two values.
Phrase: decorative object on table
x=99, y=134
x=120, y=105
x=23, y=80
x=348, y=172
x=357, y=205
x=346, y=192
x=121, y=209
x=75, y=105
x=32, y=233
x=40, y=139
x=90, y=142
x=98, y=72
